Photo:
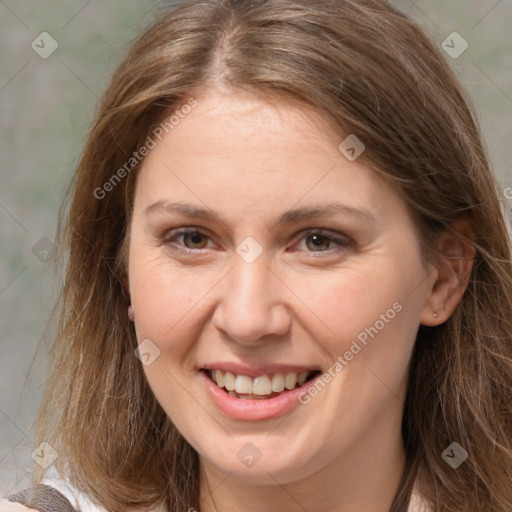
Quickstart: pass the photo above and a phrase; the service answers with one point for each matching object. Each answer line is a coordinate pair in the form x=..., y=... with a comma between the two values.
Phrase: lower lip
x=252, y=410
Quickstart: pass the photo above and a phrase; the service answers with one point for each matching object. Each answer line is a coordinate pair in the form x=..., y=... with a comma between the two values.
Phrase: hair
x=367, y=69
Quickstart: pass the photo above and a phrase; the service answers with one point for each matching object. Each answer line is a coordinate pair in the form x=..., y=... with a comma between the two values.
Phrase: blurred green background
x=46, y=106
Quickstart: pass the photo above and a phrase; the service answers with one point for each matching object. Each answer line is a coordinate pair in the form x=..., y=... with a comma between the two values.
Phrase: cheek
x=336, y=306
x=369, y=321
x=347, y=302
x=167, y=302
x=164, y=296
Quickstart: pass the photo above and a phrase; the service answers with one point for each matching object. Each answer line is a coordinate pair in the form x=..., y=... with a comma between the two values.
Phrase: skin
x=7, y=506
x=297, y=303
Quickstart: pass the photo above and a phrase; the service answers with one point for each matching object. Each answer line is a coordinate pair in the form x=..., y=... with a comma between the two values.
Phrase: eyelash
x=342, y=243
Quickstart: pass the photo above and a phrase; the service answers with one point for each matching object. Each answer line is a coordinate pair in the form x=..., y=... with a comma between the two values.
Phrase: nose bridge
x=252, y=301
x=251, y=283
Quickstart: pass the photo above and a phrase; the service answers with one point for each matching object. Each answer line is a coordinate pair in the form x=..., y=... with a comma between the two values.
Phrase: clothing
x=42, y=498
x=74, y=501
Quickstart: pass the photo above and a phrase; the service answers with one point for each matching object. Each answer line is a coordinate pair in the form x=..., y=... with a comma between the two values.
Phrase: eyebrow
x=289, y=217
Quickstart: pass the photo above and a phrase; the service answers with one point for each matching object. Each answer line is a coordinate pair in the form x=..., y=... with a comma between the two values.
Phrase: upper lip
x=260, y=369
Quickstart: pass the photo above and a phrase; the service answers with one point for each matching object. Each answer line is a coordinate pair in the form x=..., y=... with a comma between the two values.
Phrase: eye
x=315, y=240
x=319, y=241
x=193, y=240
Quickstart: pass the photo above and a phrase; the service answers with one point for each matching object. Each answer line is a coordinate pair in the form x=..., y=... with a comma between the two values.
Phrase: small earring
x=131, y=314
x=435, y=315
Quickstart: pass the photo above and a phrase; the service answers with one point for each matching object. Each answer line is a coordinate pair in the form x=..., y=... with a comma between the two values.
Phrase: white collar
x=77, y=499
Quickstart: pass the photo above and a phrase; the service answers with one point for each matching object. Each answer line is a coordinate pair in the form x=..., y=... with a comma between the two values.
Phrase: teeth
x=290, y=380
x=278, y=382
x=243, y=384
x=229, y=381
x=302, y=378
x=260, y=386
x=218, y=377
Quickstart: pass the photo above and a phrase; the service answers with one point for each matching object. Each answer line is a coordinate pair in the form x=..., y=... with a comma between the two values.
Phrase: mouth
x=260, y=387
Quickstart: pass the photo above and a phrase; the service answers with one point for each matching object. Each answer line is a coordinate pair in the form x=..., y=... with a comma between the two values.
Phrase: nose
x=251, y=305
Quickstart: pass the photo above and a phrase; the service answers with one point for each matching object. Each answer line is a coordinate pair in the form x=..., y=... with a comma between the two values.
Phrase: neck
x=364, y=477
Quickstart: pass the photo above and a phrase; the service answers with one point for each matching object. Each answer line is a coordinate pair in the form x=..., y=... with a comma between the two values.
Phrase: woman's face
x=295, y=260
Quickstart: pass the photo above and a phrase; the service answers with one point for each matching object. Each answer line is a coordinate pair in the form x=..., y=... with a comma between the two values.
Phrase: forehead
x=237, y=150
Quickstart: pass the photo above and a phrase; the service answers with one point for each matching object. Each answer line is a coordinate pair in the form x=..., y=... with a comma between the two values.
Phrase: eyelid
x=342, y=241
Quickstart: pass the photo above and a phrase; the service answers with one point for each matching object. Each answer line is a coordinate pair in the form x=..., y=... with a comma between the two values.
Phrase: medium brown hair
x=370, y=71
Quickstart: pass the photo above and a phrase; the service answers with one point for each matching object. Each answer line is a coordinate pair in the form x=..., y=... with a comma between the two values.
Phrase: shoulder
x=79, y=501
x=9, y=506
x=39, y=498
x=53, y=493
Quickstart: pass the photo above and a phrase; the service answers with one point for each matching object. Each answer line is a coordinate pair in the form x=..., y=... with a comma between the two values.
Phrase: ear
x=453, y=273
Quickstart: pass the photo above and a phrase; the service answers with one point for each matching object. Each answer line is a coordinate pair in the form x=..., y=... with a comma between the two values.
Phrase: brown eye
x=192, y=240
x=196, y=240
x=318, y=242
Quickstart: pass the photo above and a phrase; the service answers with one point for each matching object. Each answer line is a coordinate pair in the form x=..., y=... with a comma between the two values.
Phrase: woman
x=289, y=283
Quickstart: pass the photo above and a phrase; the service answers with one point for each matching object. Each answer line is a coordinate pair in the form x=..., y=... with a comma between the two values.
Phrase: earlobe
x=453, y=272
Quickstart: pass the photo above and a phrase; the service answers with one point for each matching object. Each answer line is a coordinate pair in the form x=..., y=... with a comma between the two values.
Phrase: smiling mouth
x=262, y=387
